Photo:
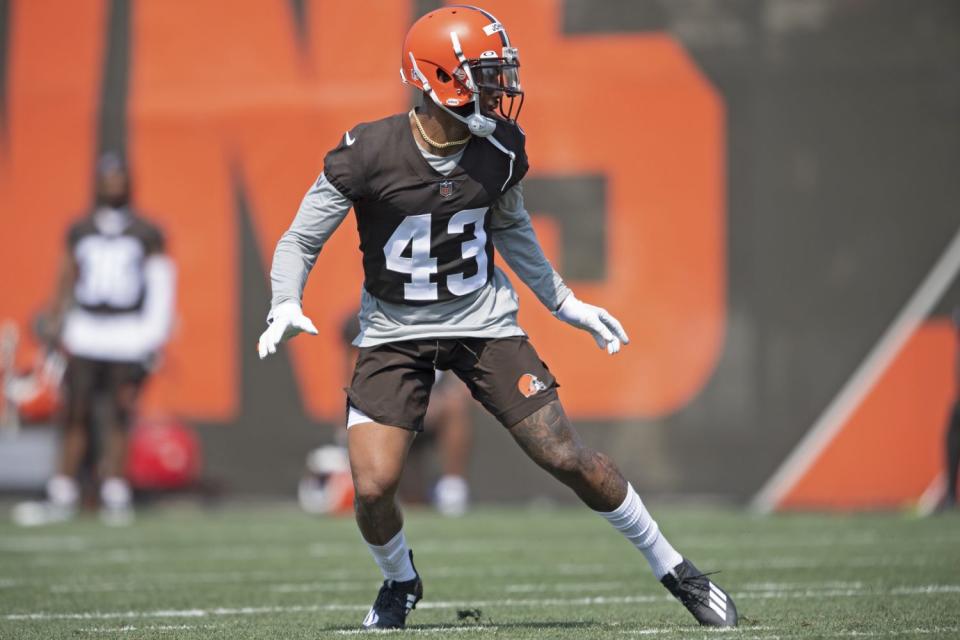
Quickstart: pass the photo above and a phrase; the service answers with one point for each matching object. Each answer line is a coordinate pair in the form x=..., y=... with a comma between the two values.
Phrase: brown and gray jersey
x=110, y=247
x=427, y=230
x=425, y=237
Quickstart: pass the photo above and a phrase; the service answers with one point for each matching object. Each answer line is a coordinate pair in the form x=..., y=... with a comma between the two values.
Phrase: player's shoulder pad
x=510, y=135
x=81, y=226
x=348, y=165
x=148, y=232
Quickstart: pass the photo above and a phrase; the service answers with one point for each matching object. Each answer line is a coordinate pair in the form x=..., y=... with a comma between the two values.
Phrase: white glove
x=605, y=329
x=286, y=321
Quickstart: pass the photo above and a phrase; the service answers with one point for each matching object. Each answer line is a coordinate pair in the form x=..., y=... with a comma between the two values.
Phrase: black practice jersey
x=110, y=260
x=425, y=237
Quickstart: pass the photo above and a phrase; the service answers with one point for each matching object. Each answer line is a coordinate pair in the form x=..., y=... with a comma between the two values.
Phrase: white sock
x=634, y=521
x=115, y=493
x=63, y=491
x=393, y=559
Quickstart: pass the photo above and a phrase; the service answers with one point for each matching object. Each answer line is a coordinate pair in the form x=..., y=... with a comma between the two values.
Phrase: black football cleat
x=394, y=602
x=708, y=603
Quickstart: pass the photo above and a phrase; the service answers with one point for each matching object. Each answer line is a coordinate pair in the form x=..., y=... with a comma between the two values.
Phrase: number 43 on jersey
x=415, y=232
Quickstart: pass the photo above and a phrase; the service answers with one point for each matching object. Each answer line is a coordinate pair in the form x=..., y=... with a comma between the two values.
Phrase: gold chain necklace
x=433, y=143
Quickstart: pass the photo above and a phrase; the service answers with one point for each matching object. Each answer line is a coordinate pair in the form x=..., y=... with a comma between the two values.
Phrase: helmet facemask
x=499, y=76
x=488, y=74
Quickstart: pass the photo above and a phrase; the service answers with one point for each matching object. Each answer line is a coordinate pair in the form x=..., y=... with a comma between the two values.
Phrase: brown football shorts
x=391, y=382
x=85, y=379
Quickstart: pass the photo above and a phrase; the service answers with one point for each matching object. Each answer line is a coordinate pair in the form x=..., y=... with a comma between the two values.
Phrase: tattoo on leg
x=548, y=438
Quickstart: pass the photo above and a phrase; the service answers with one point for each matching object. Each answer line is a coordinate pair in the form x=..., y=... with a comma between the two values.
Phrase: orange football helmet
x=455, y=53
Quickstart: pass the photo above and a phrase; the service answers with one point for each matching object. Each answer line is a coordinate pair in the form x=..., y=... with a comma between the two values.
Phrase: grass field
x=275, y=573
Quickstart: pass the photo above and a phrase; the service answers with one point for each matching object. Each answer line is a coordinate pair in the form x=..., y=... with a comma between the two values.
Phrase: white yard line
x=579, y=585
x=158, y=627
x=343, y=580
x=788, y=563
x=791, y=633
x=437, y=546
x=44, y=544
x=787, y=586
x=656, y=631
x=459, y=604
x=929, y=588
x=335, y=580
x=429, y=631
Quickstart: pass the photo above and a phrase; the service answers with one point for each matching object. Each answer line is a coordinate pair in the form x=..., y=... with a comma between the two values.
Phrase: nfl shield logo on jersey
x=446, y=188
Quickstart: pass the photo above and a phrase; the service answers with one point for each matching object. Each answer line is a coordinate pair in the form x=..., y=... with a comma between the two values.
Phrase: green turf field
x=275, y=573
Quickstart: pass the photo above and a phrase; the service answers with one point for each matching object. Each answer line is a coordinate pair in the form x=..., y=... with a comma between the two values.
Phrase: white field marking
x=6, y=583
x=420, y=632
x=320, y=587
x=94, y=556
x=862, y=381
x=452, y=604
x=776, y=594
x=787, y=563
x=365, y=577
x=776, y=541
x=459, y=547
x=344, y=576
x=656, y=631
x=786, y=586
x=858, y=634
x=107, y=587
x=236, y=611
x=927, y=588
x=543, y=587
x=327, y=549
x=163, y=555
x=899, y=632
x=476, y=546
x=159, y=627
x=933, y=495
x=43, y=544
x=498, y=572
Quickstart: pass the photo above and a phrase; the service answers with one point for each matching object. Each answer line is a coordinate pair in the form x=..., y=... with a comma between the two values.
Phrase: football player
x=434, y=190
x=111, y=314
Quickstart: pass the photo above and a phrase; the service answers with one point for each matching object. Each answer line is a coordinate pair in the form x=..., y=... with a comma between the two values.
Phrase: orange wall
x=222, y=98
x=891, y=448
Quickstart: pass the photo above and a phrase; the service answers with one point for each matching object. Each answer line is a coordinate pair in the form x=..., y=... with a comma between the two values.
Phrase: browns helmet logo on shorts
x=529, y=385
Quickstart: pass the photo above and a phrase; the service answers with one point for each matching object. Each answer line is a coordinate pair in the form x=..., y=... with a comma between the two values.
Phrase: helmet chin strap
x=477, y=123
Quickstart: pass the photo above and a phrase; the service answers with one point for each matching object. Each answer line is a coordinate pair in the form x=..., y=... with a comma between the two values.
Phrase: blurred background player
x=953, y=433
x=111, y=314
x=447, y=421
